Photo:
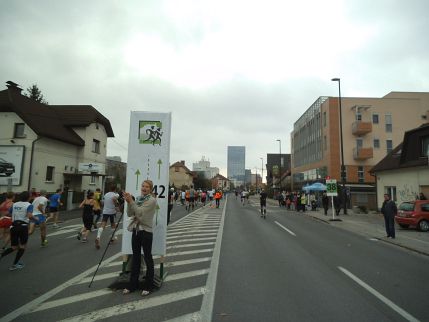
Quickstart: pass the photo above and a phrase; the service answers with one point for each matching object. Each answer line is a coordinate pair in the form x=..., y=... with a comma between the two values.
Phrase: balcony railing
x=362, y=153
x=361, y=128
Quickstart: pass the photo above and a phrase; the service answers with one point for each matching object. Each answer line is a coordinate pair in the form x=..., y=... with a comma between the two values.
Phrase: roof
x=52, y=121
x=182, y=164
x=399, y=157
x=220, y=177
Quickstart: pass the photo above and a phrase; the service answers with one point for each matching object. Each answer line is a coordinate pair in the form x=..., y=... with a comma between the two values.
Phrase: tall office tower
x=236, y=163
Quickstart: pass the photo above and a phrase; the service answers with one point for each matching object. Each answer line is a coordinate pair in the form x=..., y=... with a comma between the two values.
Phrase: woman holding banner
x=141, y=212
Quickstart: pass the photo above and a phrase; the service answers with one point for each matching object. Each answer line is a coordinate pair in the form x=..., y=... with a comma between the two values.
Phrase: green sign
x=331, y=187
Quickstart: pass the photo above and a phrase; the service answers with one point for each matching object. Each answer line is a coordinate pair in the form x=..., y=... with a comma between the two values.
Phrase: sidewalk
x=368, y=225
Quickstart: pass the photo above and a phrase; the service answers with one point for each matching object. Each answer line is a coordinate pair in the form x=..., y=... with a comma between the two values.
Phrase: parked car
x=414, y=213
x=6, y=168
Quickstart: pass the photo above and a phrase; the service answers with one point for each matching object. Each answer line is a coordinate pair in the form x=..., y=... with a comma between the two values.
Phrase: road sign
x=331, y=187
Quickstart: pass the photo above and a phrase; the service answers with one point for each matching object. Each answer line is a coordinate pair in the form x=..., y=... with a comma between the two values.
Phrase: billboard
x=149, y=158
x=11, y=162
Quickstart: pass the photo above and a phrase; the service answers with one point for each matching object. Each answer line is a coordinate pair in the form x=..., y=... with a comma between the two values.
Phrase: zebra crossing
x=189, y=262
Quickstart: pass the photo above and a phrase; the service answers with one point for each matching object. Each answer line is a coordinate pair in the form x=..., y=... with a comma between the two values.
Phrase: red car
x=414, y=213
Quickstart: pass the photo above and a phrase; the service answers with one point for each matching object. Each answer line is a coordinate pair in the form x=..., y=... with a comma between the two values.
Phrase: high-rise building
x=204, y=167
x=236, y=163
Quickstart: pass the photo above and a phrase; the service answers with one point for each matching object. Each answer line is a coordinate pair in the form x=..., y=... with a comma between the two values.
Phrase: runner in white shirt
x=39, y=213
x=21, y=212
x=110, y=207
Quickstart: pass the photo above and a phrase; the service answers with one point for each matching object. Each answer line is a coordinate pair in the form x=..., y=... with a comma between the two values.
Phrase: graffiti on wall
x=407, y=192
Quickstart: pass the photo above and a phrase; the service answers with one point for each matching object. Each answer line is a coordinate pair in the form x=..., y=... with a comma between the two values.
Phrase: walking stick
x=108, y=244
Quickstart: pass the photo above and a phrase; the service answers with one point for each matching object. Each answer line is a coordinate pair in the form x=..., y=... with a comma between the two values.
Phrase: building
x=51, y=146
x=220, y=182
x=203, y=166
x=256, y=180
x=180, y=175
x=116, y=173
x=371, y=128
x=236, y=164
x=247, y=177
x=404, y=172
x=275, y=163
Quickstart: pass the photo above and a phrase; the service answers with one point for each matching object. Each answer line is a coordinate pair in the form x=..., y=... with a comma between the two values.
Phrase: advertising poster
x=11, y=161
x=149, y=158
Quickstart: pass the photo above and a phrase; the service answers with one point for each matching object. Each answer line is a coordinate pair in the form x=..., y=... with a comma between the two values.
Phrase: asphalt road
x=224, y=264
x=290, y=267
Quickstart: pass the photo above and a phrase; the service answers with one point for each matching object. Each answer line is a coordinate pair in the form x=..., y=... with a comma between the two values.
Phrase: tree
x=35, y=93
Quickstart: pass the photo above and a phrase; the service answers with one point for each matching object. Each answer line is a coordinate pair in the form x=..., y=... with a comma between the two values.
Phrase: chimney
x=182, y=162
x=13, y=86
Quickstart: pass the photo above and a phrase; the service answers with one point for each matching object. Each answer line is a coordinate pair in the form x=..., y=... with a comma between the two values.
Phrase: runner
x=97, y=206
x=187, y=199
x=263, y=200
x=54, y=206
x=218, y=196
x=203, y=198
x=87, y=216
x=39, y=212
x=21, y=213
x=192, y=194
x=6, y=218
x=110, y=207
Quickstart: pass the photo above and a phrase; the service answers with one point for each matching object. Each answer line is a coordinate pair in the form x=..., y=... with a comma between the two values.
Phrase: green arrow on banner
x=159, y=168
x=137, y=178
x=156, y=214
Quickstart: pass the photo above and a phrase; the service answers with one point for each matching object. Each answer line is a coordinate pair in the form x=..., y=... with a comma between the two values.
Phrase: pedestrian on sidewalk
x=389, y=211
x=141, y=211
x=325, y=203
x=22, y=212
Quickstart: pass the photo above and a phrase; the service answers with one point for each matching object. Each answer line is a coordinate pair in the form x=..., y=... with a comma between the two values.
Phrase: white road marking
x=191, y=235
x=62, y=232
x=191, y=317
x=193, y=228
x=289, y=231
x=189, y=252
x=175, y=263
x=193, y=231
x=36, y=302
x=102, y=292
x=190, y=239
x=190, y=245
x=138, y=305
x=206, y=311
x=381, y=297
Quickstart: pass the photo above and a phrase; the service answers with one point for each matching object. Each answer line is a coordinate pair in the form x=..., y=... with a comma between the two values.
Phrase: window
x=388, y=119
x=376, y=143
x=19, y=130
x=358, y=116
x=425, y=146
x=361, y=175
x=325, y=143
x=95, y=146
x=375, y=118
x=389, y=145
x=359, y=143
x=176, y=169
x=425, y=207
x=324, y=119
x=66, y=167
x=391, y=191
x=93, y=178
x=49, y=173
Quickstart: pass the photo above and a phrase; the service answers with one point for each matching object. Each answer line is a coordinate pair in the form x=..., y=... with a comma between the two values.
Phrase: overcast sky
x=231, y=72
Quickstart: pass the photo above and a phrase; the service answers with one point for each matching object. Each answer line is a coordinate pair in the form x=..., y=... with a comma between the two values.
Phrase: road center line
x=378, y=295
x=289, y=231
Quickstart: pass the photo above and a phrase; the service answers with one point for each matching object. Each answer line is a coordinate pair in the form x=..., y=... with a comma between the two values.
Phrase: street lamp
x=280, y=163
x=343, y=168
x=262, y=167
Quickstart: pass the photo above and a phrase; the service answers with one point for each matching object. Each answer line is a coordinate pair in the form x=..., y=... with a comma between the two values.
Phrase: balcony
x=362, y=153
x=361, y=128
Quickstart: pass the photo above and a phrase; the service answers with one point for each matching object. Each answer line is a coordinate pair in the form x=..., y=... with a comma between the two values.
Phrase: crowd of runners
x=21, y=214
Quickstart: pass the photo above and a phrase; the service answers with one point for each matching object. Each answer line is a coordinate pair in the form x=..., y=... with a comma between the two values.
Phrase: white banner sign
x=149, y=158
